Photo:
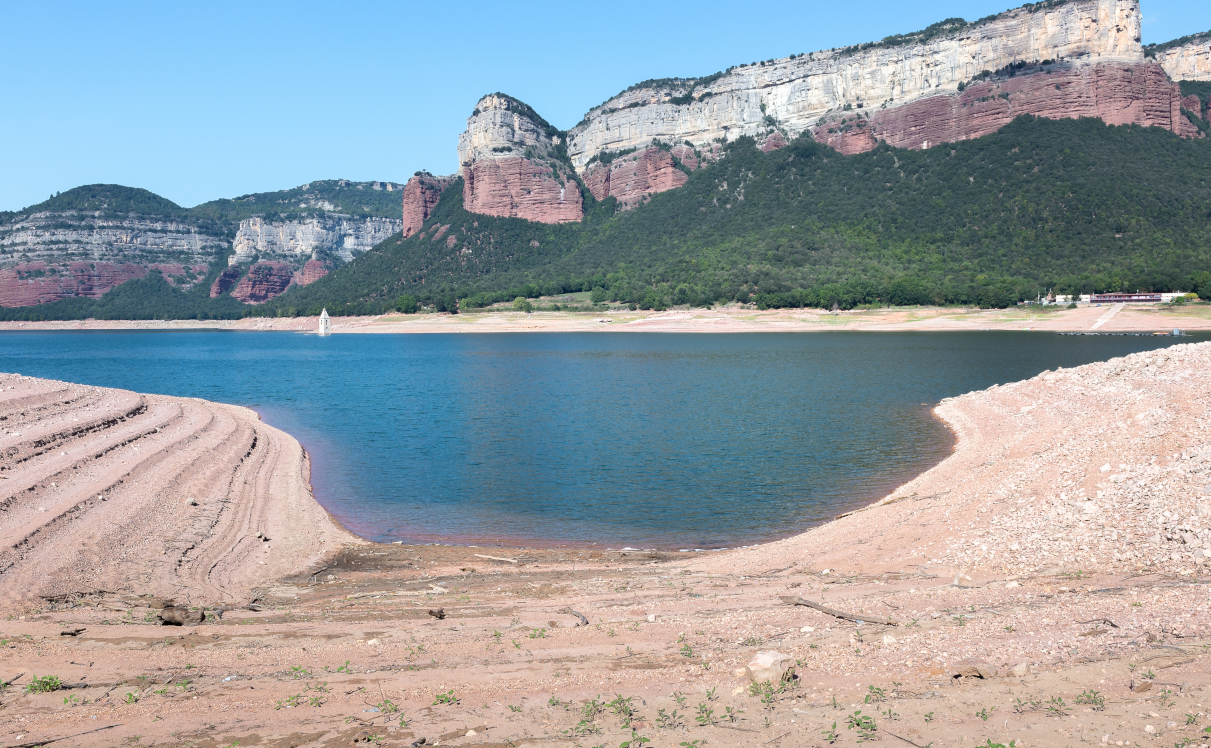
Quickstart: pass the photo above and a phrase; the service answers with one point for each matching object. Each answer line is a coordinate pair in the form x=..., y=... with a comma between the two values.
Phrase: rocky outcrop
x=225, y=281
x=1117, y=93
x=55, y=237
x=341, y=235
x=512, y=164
x=263, y=281
x=790, y=95
x=632, y=177
x=1185, y=59
x=421, y=194
x=312, y=271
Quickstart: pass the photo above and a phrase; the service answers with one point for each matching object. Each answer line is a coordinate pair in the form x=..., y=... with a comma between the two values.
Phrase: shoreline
x=1057, y=551
x=1142, y=318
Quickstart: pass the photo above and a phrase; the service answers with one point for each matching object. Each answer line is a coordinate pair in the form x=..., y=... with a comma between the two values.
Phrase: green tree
x=407, y=304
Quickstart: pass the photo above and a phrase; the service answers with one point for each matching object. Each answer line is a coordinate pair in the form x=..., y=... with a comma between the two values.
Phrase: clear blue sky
x=196, y=101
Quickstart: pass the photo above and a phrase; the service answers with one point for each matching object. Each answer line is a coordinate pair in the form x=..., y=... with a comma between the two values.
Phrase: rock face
x=632, y=177
x=263, y=281
x=421, y=194
x=791, y=94
x=312, y=271
x=1117, y=93
x=341, y=235
x=512, y=164
x=26, y=284
x=1189, y=60
x=224, y=282
x=952, y=81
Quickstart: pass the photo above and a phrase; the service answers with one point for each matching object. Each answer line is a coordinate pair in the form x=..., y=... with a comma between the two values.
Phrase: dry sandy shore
x=1061, y=545
x=1141, y=318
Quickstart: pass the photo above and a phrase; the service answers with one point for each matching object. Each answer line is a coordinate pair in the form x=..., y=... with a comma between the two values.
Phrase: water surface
x=617, y=439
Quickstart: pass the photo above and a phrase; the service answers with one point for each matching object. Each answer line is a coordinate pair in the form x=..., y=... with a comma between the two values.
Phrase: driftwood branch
x=12, y=680
x=790, y=600
x=1106, y=621
x=495, y=558
x=583, y=621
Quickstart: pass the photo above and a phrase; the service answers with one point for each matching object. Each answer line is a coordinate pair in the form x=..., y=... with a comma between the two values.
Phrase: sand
x=1058, y=552
x=1131, y=318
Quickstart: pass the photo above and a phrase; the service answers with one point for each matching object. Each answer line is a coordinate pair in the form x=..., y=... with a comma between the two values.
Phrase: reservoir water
x=640, y=440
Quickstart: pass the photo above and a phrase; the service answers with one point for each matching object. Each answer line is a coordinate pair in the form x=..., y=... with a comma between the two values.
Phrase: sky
x=196, y=101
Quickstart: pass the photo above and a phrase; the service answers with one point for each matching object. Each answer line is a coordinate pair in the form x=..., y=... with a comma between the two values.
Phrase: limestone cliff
x=792, y=94
x=1185, y=59
x=953, y=81
x=294, y=238
x=513, y=164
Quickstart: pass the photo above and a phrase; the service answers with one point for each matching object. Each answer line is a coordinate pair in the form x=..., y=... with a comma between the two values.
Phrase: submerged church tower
x=325, y=327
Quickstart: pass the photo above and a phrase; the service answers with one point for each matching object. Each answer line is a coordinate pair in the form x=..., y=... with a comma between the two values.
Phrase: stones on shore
x=768, y=665
x=973, y=669
x=177, y=616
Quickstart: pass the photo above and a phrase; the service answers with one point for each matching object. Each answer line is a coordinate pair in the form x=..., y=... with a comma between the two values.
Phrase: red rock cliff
x=1118, y=93
x=312, y=271
x=632, y=177
x=31, y=283
x=520, y=188
x=263, y=281
x=421, y=194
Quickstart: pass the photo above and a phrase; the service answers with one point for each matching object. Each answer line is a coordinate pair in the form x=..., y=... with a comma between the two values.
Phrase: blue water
x=642, y=440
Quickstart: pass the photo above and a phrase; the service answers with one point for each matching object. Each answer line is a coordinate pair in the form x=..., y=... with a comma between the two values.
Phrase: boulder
x=179, y=616
x=768, y=665
x=972, y=669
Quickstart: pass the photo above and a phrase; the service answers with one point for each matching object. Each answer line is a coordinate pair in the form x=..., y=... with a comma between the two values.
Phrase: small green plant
x=71, y=700
x=623, y=709
x=344, y=668
x=1166, y=698
x=611, y=633
x=538, y=634
x=45, y=684
x=636, y=741
x=679, y=698
x=686, y=651
x=387, y=706
x=875, y=695
x=296, y=672
x=668, y=721
x=592, y=709
x=554, y=702
x=1056, y=707
x=864, y=724
x=929, y=716
x=131, y=698
x=711, y=695
x=890, y=714
x=447, y=698
x=1191, y=718
x=516, y=644
x=691, y=743
x=1093, y=699
x=184, y=685
x=831, y=735
x=752, y=641
x=991, y=744
x=732, y=714
x=513, y=708
x=986, y=714
x=960, y=620
x=1149, y=675
x=1009, y=628
x=706, y=715
x=835, y=704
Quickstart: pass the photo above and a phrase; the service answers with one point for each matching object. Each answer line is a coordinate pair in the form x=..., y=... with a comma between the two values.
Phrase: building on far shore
x=325, y=327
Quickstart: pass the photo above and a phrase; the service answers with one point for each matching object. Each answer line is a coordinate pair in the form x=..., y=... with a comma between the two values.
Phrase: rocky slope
x=420, y=198
x=952, y=81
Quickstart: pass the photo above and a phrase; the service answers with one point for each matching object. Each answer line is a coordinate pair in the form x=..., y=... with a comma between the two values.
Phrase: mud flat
x=1046, y=583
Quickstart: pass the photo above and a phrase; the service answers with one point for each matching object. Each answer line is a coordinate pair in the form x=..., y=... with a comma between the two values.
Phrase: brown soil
x=1061, y=545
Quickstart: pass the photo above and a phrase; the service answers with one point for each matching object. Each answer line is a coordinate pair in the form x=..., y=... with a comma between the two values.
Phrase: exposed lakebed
x=657, y=440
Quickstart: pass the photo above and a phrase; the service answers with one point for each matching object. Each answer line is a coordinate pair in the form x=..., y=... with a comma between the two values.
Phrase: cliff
x=1117, y=93
x=513, y=164
x=263, y=281
x=953, y=81
x=1185, y=59
x=421, y=194
x=340, y=235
